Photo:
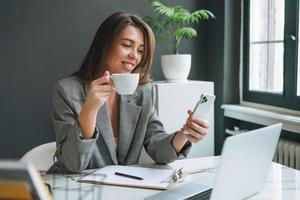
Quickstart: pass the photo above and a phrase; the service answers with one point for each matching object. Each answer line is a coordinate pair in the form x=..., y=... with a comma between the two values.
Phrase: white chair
x=41, y=156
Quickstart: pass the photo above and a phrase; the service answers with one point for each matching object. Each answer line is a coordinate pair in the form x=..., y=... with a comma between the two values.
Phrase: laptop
x=243, y=168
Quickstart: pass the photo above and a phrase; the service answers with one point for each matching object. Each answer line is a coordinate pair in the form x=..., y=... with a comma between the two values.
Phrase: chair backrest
x=41, y=156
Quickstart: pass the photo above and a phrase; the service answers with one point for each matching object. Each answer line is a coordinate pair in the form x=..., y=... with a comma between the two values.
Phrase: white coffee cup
x=125, y=84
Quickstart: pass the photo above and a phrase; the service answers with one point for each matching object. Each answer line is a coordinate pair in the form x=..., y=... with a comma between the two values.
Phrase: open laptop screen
x=245, y=163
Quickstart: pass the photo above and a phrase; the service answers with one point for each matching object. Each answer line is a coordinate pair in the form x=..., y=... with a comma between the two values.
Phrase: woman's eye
x=126, y=45
x=141, y=51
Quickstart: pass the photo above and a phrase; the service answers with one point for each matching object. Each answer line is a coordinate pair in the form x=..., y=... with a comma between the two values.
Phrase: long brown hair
x=95, y=60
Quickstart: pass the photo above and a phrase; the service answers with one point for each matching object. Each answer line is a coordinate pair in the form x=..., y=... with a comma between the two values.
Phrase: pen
x=128, y=176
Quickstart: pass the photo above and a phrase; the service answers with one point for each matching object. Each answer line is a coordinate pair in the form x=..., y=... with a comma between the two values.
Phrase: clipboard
x=152, y=178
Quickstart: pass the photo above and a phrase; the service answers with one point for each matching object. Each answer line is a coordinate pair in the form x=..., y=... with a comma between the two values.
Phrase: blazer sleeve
x=73, y=151
x=157, y=142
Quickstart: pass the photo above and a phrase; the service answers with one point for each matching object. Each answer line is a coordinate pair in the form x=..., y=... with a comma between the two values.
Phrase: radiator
x=288, y=153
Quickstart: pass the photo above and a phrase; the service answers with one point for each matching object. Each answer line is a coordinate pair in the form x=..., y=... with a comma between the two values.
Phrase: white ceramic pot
x=176, y=67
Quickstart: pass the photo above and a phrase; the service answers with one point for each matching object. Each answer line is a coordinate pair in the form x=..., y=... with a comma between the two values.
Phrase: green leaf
x=163, y=9
x=172, y=22
x=198, y=15
x=185, y=32
x=181, y=17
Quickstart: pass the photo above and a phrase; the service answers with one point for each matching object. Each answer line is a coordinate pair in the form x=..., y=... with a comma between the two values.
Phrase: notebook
x=143, y=177
x=242, y=172
x=20, y=180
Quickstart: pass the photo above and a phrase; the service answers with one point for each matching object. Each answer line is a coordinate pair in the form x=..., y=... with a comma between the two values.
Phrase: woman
x=94, y=125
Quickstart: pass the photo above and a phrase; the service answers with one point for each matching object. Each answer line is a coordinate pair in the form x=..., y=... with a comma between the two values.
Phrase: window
x=271, y=75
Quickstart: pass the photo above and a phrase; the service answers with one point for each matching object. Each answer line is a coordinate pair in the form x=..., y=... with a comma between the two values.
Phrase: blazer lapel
x=129, y=115
x=104, y=125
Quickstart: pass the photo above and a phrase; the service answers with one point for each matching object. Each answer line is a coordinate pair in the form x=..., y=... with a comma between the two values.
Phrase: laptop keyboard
x=201, y=196
x=189, y=191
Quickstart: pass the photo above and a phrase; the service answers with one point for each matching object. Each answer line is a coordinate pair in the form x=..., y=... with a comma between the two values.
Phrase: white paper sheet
x=152, y=178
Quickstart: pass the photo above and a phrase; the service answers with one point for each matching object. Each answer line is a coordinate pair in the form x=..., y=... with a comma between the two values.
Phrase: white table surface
x=283, y=183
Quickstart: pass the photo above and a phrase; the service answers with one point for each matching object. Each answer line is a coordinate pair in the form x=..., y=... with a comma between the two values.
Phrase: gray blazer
x=139, y=126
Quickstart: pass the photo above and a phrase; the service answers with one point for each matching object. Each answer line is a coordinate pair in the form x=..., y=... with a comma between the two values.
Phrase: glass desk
x=283, y=183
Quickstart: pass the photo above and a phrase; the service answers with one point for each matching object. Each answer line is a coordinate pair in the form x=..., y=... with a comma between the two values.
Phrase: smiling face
x=127, y=51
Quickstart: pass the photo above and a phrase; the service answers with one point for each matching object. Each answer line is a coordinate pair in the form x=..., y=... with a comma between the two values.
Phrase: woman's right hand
x=99, y=92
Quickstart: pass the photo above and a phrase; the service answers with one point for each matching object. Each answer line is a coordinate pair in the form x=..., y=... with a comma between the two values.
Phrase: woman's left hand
x=197, y=128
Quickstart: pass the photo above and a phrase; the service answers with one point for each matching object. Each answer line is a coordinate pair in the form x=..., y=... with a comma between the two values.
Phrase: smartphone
x=203, y=106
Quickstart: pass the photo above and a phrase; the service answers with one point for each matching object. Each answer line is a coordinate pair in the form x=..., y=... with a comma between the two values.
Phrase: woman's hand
x=99, y=92
x=197, y=128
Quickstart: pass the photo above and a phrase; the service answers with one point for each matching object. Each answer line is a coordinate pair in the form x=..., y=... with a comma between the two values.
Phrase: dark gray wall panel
x=43, y=41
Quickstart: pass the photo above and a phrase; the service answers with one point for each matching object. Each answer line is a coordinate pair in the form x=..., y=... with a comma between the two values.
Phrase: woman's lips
x=128, y=66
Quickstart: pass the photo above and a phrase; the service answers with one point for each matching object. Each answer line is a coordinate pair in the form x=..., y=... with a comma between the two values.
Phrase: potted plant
x=171, y=26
